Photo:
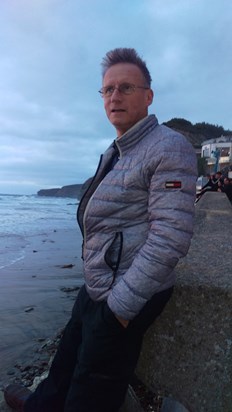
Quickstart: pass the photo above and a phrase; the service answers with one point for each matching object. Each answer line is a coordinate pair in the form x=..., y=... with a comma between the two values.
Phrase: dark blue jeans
x=96, y=358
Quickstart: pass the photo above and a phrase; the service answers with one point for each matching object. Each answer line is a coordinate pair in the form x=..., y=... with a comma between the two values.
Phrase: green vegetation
x=199, y=132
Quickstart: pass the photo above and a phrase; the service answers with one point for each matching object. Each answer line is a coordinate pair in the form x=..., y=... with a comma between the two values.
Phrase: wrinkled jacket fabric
x=136, y=225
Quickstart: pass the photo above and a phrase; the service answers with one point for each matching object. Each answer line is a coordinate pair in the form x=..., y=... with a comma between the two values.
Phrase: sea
x=22, y=216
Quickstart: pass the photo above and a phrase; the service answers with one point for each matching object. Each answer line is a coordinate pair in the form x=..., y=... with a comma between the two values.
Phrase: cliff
x=72, y=191
x=197, y=133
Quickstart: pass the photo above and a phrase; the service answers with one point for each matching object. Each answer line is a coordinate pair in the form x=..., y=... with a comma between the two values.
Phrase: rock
x=28, y=309
x=70, y=289
x=37, y=380
x=10, y=372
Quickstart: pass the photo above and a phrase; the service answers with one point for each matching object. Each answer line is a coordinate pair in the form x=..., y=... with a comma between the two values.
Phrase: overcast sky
x=52, y=122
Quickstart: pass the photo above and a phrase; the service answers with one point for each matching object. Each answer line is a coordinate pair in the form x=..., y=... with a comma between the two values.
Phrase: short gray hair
x=125, y=55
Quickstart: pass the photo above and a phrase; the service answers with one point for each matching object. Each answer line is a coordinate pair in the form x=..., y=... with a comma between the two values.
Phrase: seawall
x=187, y=353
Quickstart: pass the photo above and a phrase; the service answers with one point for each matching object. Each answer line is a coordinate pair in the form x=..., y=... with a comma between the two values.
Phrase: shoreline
x=38, y=293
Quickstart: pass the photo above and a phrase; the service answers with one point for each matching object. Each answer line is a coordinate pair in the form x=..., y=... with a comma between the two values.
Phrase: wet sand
x=36, y=300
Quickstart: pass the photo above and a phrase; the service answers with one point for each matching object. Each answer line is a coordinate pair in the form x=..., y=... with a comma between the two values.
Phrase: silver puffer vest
x=137, y=220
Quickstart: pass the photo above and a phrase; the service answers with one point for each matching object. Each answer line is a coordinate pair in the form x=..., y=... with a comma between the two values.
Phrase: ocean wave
x=25, y=216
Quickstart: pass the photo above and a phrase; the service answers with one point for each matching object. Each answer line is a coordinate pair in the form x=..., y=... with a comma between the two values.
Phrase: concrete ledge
x=187, y=352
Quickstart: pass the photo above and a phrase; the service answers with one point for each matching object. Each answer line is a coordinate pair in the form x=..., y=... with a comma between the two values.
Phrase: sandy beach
x=37, y=295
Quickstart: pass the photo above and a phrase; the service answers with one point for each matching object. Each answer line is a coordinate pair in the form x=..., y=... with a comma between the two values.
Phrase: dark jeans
x=96, y=358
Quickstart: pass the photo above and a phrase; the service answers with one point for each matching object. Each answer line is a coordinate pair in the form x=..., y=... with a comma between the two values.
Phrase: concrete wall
x=187, y=352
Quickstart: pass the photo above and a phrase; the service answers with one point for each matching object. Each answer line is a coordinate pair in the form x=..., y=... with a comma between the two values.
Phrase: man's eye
x=109, y=90
x=125, y=87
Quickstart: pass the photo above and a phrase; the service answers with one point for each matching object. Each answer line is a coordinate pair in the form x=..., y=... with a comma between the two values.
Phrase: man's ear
x=150, y=95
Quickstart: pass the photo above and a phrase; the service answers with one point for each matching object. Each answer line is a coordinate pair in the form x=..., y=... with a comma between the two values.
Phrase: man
x=226, y=188
x=137, y=222
x=213, y=184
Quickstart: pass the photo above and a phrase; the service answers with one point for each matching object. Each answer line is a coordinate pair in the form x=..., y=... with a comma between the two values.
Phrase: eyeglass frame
x=133, y=88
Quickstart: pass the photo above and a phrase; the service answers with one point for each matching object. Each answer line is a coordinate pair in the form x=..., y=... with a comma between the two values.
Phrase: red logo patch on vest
x=175, y=184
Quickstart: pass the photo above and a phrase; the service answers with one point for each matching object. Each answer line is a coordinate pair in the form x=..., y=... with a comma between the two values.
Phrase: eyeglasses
x=124, y=88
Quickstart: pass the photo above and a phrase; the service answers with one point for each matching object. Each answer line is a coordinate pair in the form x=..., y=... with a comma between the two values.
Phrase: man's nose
x=116, y=95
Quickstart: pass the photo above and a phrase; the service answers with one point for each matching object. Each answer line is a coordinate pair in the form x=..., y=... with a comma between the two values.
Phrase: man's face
x=123, y=111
